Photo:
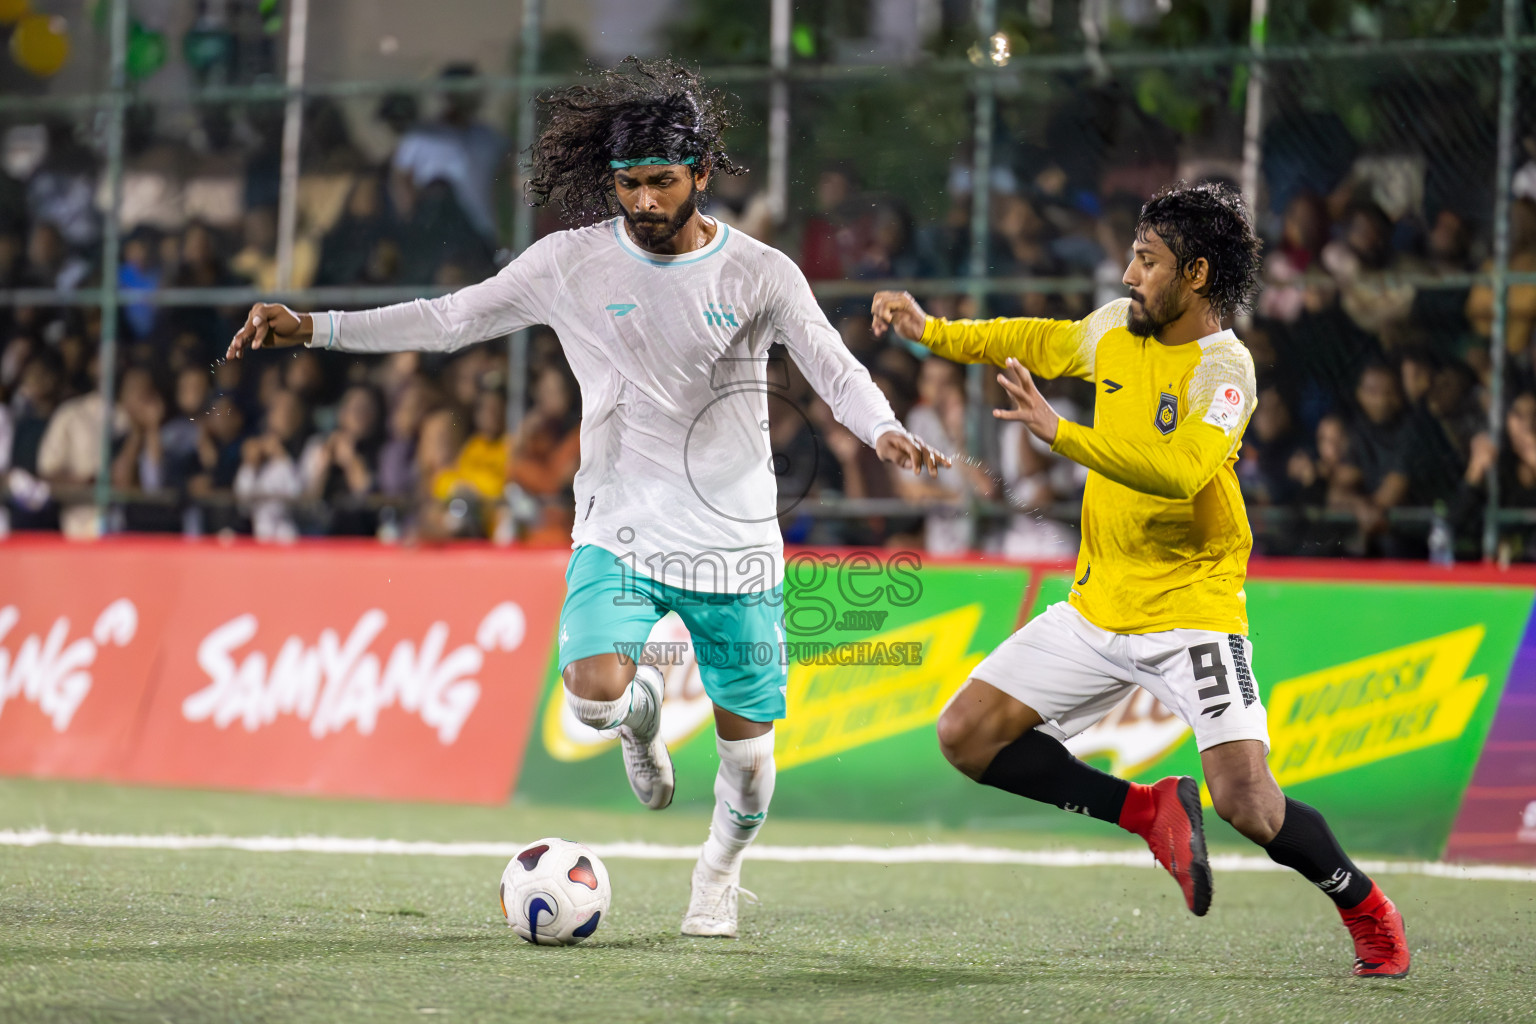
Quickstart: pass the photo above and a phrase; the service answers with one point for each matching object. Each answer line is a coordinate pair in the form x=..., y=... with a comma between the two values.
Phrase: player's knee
x=1249, y=809
x=598, y=678
x=951, y=730
x=957, y=740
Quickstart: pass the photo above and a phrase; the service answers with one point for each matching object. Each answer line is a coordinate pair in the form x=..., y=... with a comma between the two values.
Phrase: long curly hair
x=642, y=108
x=1208, y=219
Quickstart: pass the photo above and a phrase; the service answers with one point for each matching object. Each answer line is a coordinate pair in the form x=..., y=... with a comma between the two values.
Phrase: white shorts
x=1072, y=673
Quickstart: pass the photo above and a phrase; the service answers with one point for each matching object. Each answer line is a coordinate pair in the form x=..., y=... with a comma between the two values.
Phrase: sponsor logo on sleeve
x=1226, y=409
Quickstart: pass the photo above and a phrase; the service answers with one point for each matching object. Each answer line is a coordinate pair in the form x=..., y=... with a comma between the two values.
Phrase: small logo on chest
x=1167, y=413
x=721, y=315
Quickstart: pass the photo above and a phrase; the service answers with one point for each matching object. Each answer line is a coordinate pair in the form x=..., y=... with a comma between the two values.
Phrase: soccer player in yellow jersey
x=1158, y=594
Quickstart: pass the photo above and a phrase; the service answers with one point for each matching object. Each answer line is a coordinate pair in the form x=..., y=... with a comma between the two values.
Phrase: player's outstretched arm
x=517, y=297
x=270, y=325
x=1176, y=469
x=840, y=379
x=1051, y=348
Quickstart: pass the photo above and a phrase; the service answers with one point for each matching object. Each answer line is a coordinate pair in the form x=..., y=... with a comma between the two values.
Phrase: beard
x=1153, y=318
x=654, y=229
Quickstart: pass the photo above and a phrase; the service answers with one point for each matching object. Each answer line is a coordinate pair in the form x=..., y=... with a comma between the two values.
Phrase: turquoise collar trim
x=648, y=161
x=633, y=251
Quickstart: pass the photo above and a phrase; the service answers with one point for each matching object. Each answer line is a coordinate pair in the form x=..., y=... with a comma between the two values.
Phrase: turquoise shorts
x=738, y=638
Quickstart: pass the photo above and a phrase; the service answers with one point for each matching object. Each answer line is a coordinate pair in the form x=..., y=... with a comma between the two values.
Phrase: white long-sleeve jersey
x=671, y=353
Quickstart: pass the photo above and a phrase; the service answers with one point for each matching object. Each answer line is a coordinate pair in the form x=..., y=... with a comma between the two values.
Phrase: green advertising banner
x=877, y=644
x=1379, y=697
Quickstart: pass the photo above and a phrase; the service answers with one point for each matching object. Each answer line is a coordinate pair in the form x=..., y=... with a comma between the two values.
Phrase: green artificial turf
x=216, y=935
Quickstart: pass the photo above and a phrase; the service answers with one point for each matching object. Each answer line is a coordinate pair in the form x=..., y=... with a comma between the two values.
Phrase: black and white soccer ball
x=555, y=892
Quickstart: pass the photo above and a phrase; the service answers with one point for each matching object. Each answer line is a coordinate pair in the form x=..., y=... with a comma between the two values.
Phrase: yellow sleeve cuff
x=1064, y=427
x=929, y=329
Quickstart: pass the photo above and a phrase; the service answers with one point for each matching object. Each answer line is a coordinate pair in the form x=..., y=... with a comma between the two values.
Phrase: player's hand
x=1030, y=407
x=909, y=453
x=899, y=310
x=269, y=325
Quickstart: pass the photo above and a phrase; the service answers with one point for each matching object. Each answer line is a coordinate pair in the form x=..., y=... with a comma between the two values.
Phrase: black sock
x=1039, y=767
x=1306, y=844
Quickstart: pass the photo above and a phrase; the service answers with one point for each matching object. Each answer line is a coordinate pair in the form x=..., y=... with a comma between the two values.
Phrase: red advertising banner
x=79, y=631
x=355, y=668
x=346, y=669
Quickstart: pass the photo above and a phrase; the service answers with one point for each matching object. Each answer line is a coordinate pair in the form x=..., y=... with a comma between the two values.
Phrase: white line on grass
x=924, y=854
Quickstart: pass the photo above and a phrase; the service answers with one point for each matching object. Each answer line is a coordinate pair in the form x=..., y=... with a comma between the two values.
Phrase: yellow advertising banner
x=1373, y=708
x=857, y=693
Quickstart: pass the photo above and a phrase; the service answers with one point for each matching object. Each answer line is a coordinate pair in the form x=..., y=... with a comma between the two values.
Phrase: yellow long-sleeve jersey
x=1165, y=533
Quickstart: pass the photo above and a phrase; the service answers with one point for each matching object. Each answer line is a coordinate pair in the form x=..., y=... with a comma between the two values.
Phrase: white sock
x=743, y=787
x=632, y=707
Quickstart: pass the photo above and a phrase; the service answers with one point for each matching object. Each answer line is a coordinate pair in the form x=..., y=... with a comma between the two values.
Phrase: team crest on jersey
x=1167, y=413
x=720, y=315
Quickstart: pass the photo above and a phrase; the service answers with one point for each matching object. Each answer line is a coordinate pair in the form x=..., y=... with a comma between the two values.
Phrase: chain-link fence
x=151, y=192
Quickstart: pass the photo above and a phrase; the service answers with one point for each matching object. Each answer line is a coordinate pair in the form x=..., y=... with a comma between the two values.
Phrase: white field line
x=924, y=854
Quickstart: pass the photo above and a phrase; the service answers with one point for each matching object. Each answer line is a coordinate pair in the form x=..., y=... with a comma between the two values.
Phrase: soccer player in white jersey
x=666, y=317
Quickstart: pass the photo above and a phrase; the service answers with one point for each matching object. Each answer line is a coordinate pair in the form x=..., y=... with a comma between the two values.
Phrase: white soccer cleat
x=712, y=906
x=646, y=760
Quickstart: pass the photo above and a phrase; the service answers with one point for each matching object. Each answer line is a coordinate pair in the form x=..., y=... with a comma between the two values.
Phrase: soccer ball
x=554, y=892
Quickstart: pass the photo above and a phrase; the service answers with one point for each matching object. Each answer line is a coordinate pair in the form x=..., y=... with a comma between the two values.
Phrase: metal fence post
x=110, y=244
x=780, y=25
x=981, y=210
x=1253, y=117
x=522, y=213
x=293, y=125
x=1508, y=61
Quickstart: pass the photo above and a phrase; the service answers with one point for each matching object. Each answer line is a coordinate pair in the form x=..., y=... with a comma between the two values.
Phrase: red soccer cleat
x=1177, y=839
x=1381, y=948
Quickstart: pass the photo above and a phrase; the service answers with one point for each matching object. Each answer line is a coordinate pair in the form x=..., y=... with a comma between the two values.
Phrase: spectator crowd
x=1375, y=376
